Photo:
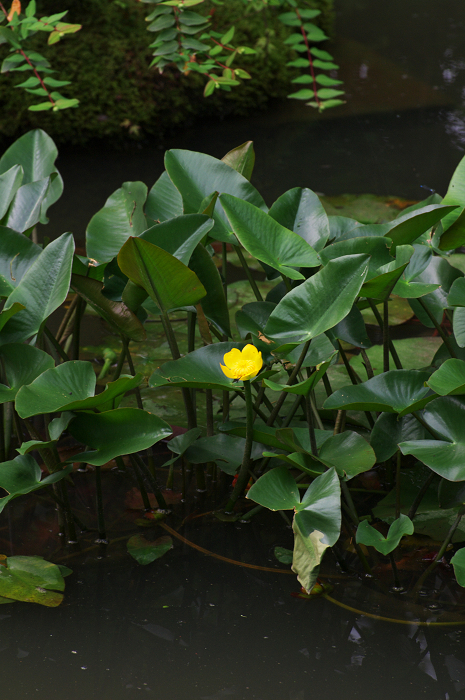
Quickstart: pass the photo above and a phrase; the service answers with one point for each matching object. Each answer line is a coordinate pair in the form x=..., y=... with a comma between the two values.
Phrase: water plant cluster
x=318, y=412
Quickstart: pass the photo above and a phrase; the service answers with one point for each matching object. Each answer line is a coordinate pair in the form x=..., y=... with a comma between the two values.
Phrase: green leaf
x=275, y=490
x=458, y=562
x=351, y=329
x=32, y=580
x=458, y=325
x=446, y=455
x=10, y=182
x=398, y=391
x=26, y=207
x=114, y=433
x=116, y=313
x=69, y=387
x=168, y=281
x=197, y=175
x=21, y=475
x=323, y=79
x=328, y=93
x=21, y=365
x=301, y=211
x=319, y=303
x=267, y=240
x=303, y=94
x=406, y=229
x=179, y=444
x=449, y=379
x=41, y=107
x=390, y=429
x=301, y=388
x=163, y=201
x=349, y=453
x=180, y=235
x=145, y=552
x=283, y=555
x=368, y=535
x=121, y=217
x=225, y=450
x=50, y=273
x=241, y=159
x=198, y=370
x=214, y=304
x=316, y=526
x=441, y=273
x=376, y=247
x=36, y=153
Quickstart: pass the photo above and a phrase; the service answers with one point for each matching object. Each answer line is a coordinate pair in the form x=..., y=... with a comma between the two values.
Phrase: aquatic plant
x=326, y=409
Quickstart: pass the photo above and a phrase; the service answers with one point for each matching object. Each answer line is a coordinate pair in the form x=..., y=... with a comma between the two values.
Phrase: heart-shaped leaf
x=445, y=456
x=368, y=535
x=164, y=201
x=22, y=475
x=390, y=430
x=22, y=364
x=145, y=552
x=241, y=159
x=275, y=490
x=301, y=211
x=32, y=580
x=449, y=379
x=114, y=433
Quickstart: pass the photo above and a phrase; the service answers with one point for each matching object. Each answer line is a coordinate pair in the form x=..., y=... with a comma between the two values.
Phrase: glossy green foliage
x=368, y=535
x=458, y=562
x=169, y=282
x=51, y=273
x=319, y=303
x=121, y=217
x=22, y=365
x=267, y=240
x=22, y=475
x=446, y=454
x=241, y=159
x=114, y=433
x=397, y=391
x=301, y=211
x=32, y=580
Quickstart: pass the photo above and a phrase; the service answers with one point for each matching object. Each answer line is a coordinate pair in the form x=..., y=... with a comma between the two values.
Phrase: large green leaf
x=368, y=535
x=352, y=329
x=22, y=475
x=21, y=364
x=242, y=159
x=381, y=285
x=225, y=450
x=199, y=369
x=441, y=273
x=301, y=211
x=42, y=289
x=455, y=195
x=197, y=175
x=214, y=304
x=458, y=562
x=9, y=184
x=36, y=153
x=454, y=236
x=114, y=433
x=445, y=456
x=122, y=216
x=25, y=209
x=398, y=391
x=317, y=525
x=276, y=490
x=116, y=313
x=301, y=388
x=69, y=387
x=17, y=253
x=267, y=240
x=406, y=229
x=449, y=379
x=164, y=200
x=391, y=429
x=32, y=580
x=169, y=282
x=179, y=236
x=348, y=452
x=319, y=303
x=376, y=247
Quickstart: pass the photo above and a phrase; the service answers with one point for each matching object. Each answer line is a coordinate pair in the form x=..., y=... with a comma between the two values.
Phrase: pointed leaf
x=21, y=364
x=22, y=474
x=301, y=211
x=275, y=490
x=121, y=217
x=449, y=379
x=164, y=201
x=241, y=158
x=179, y=236
x=368, y=535
x=26, y=207
x=145, y=552
x=214, y=304
x=319, y=303
x=17, y=253
x=267, y=240
x=9, y=184
x=390, y=430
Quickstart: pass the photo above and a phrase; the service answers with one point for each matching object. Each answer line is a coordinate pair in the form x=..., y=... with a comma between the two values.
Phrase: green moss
x=120, y=97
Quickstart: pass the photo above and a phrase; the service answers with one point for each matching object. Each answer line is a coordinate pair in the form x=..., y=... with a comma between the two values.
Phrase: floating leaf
x=368, y=535
x=145, y=552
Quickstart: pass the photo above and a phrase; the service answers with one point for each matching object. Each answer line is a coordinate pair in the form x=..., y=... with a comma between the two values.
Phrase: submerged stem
x=245, y=466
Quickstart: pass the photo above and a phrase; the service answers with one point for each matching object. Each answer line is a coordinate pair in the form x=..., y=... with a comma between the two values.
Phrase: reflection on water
x=191, y=627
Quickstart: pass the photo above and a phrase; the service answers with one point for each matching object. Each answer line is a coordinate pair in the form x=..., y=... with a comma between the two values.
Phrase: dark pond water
x=191, y=627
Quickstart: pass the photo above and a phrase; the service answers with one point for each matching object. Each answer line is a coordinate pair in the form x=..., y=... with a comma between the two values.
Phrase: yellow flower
x=242, y=365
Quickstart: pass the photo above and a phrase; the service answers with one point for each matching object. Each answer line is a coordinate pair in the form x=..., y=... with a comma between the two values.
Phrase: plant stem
x=419, y=496
x=368, y=367
x=245, y=466
x=224, y=268
x=290, y=381
x=68, y=313
x=353, y=379
x=252, y=282
x=442, y=550
x=350, y=502
x=386, y=335
x=102, y=535
x=379, y=319
x=127, y=352
x=151, y=480
x=439, y=328
x=80, y=308
x=140, y=483
x=398, y=465
x=56, y=344
x=311, y=425
x=394, y=570
x=119, y=366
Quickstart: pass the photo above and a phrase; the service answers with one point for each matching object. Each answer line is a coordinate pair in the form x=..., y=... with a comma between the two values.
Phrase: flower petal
x=228, y=372
x=232, y=357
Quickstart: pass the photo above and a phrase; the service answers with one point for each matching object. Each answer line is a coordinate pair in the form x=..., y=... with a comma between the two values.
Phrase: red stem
x=312, y=70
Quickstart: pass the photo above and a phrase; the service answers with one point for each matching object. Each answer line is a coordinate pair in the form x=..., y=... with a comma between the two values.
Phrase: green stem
x=127, y=352
x=398, y=465
x=442, y=550
x=350, y=502
x=290, y=381
x=311, y=425
x=367, y=363
x=379, y=319
x=145, y=471
x=102, y=535
x=56, y=345
x=419, y=496
x=394, y=570
x=245, y=466
x=246, y=268
x=439, y=328
x=140, y=483
x=224, y=268
x=80, y=308
x=353, y=379
x=119, y=366
x=386, y=335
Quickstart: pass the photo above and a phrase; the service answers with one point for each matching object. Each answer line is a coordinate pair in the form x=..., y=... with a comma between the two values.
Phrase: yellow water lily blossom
x=244, y=364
